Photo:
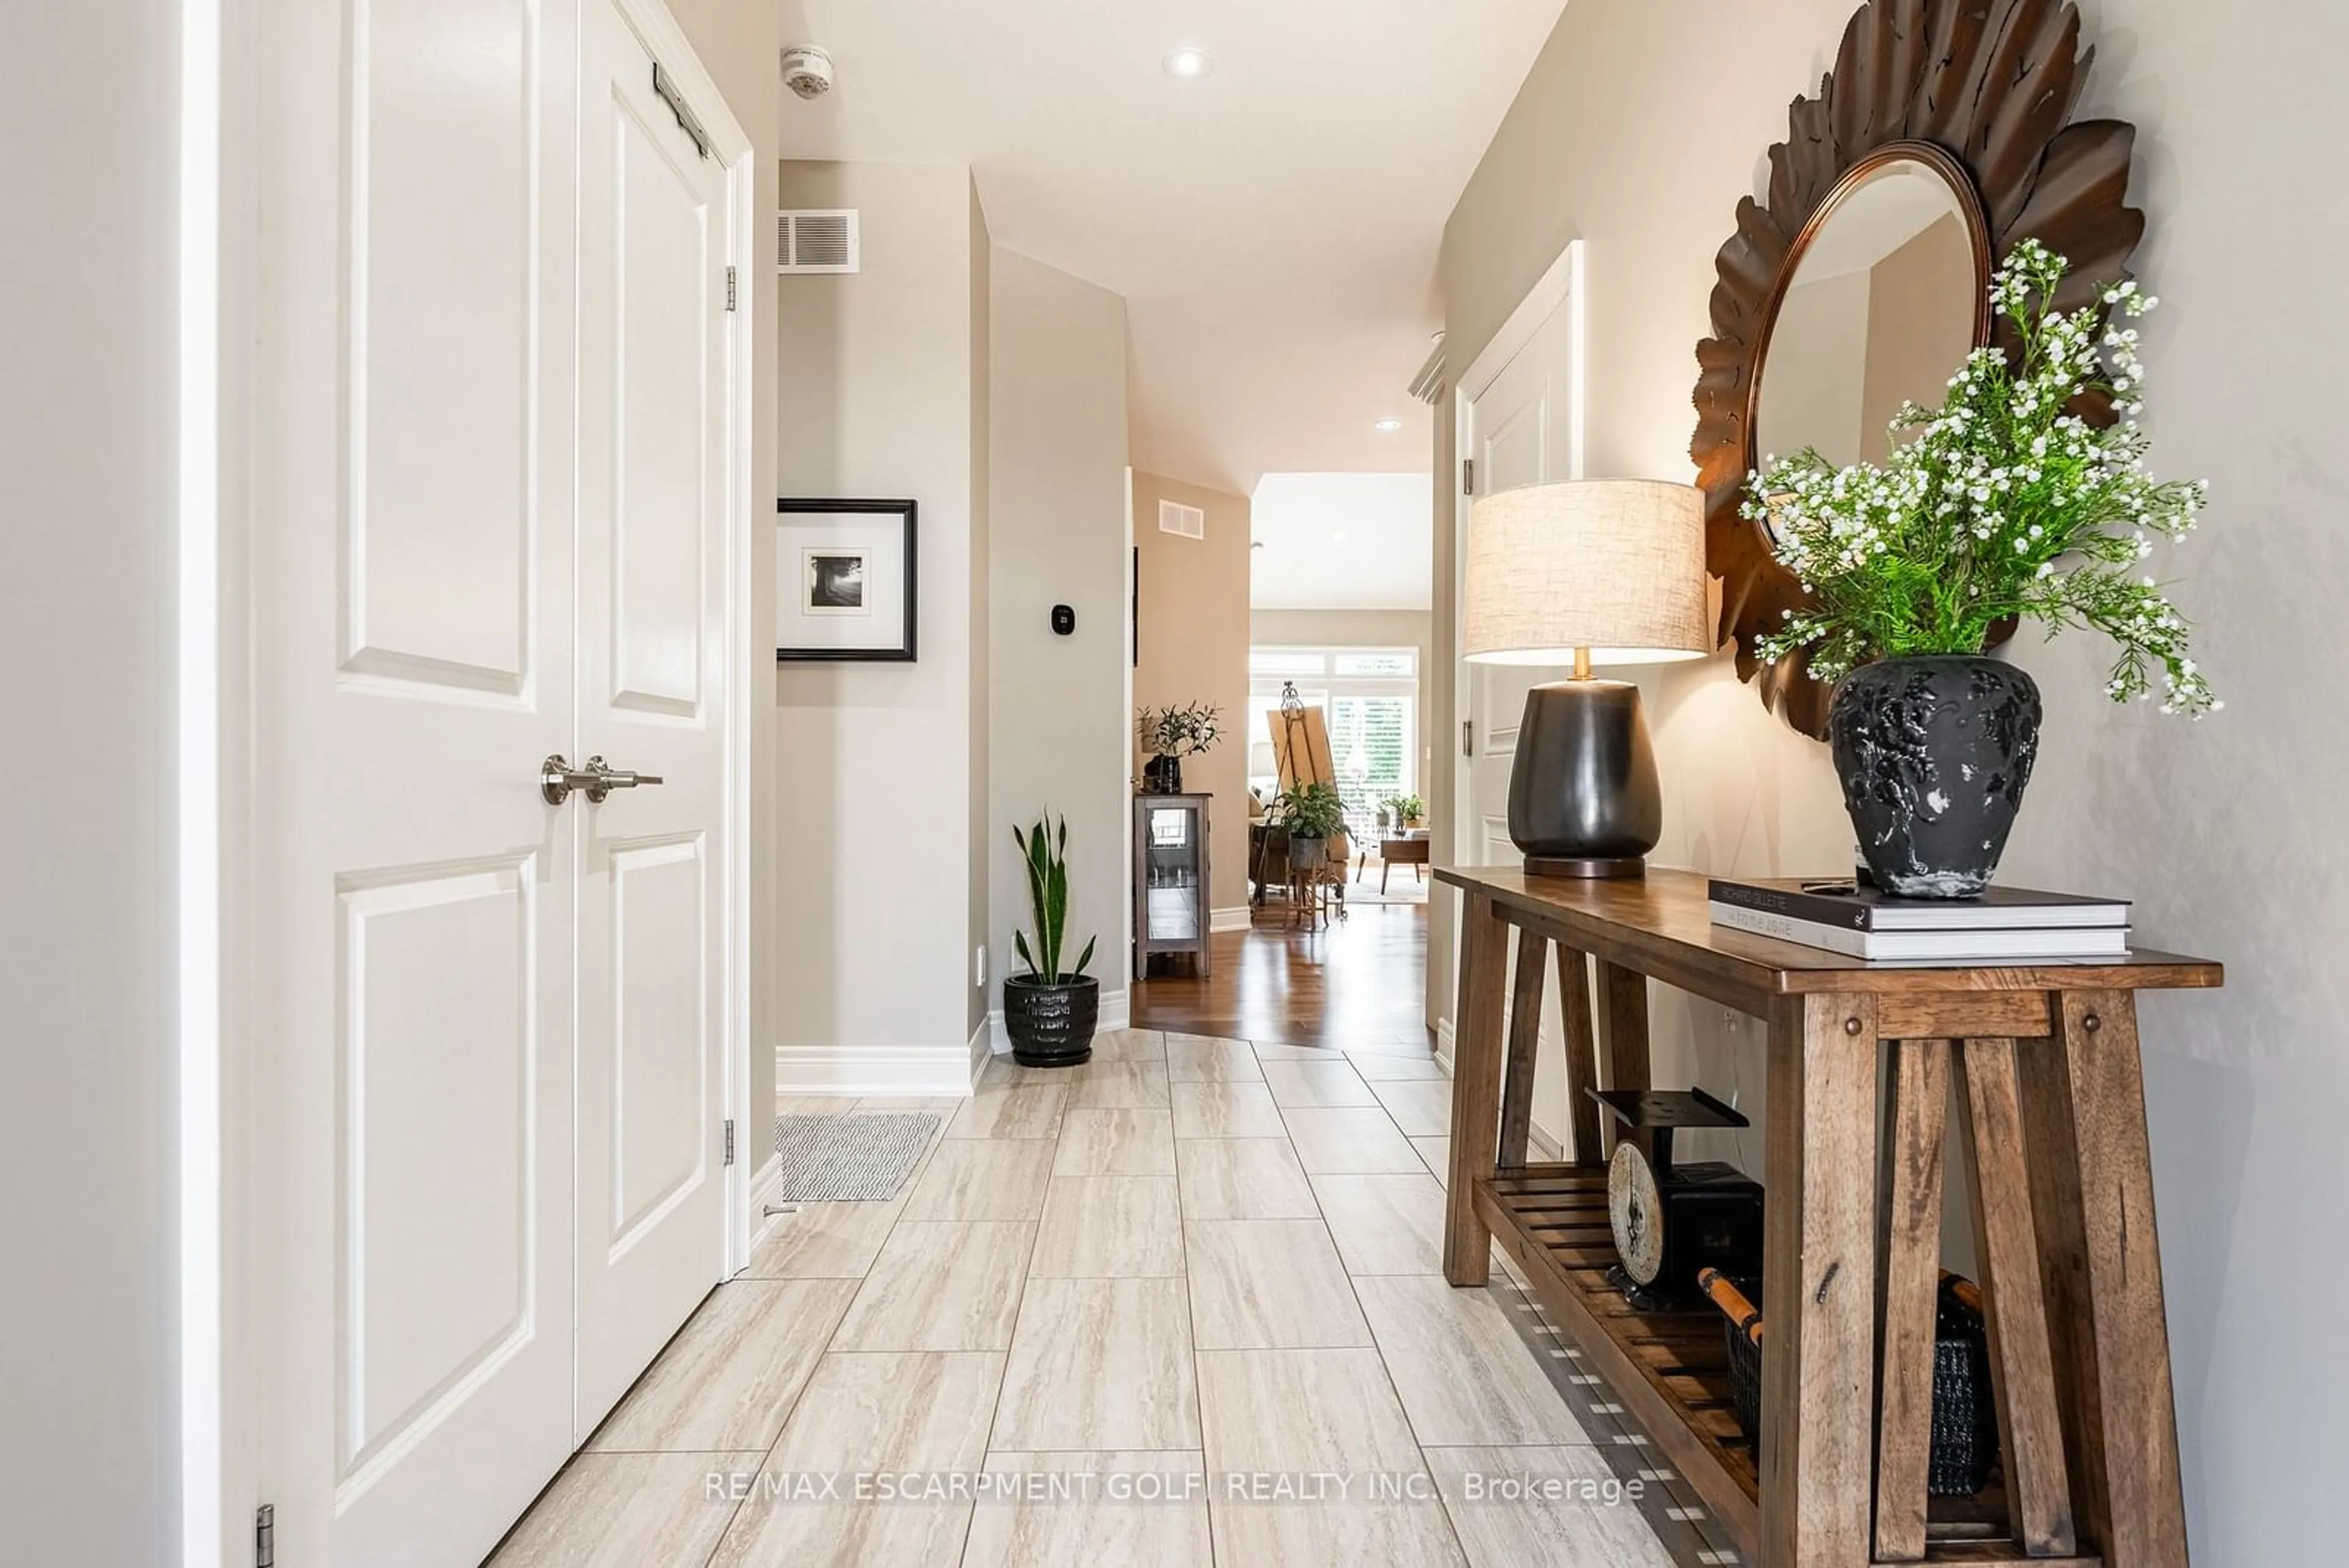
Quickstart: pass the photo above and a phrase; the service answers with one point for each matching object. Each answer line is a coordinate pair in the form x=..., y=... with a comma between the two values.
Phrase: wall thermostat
x=1064, y=619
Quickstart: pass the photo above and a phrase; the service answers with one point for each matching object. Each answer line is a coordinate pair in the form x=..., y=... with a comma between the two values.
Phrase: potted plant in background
x=1051, y=1015
x=2008, y=506
x=1171, y=733
x=1407, y=809
x=1313, y=813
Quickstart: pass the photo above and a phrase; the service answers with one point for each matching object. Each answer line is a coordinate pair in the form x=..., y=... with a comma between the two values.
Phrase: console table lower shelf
x=1670, y=1369
x=2042, y=1066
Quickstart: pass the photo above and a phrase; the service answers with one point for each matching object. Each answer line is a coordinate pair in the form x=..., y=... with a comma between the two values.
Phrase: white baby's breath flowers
x=2004, y=504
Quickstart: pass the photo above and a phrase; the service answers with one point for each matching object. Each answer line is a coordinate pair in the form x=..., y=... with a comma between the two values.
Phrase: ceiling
x=1273, y=226
x=1341, y=541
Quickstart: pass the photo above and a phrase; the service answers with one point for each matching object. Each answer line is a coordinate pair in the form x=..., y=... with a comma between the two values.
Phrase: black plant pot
x=1050, y=1025
x=1163, y=776
x=1934, y=753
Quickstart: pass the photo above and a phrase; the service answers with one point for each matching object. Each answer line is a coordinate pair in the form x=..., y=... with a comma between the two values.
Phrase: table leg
x=2091, y=1178
x=1524, y=1045
x=1581, y=1052
x=1818, y=1357
x=1622, y=1031
x=1920, y=1096
x=1476, y=1088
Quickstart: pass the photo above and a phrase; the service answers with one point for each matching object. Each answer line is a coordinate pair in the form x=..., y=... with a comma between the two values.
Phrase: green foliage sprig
x=1182, y=730
x=2006, y=507
x=1313, y=811
x=1045, y=854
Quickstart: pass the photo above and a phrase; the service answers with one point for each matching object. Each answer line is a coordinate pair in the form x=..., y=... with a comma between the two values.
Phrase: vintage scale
x=1671, y=1220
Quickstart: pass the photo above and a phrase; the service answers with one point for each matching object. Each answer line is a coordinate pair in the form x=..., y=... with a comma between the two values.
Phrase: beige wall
x=1812, y=392
x=1061, y=727
x=1638, y=130
x=1917, y=332
x=877, y=763
x=88, y=1308
x=1195, y=641
x=738, y=45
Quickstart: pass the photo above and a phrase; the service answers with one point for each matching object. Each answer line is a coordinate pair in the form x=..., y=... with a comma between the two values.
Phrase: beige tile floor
x=1182, y=1305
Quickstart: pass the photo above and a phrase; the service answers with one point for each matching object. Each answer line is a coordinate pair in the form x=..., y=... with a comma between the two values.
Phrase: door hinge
x=265, y=1536
x=1467, y=477
x=1468, y=737
x=729, y=1140
x=732, y=283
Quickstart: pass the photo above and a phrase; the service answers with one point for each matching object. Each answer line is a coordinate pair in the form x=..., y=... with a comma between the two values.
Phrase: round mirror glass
x=1882, y=308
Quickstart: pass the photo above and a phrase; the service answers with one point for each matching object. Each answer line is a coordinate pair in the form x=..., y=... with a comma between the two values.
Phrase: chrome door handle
x=557, y=778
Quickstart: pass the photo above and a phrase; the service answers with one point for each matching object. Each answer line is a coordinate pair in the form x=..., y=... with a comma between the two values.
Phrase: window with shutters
x=1369, y=701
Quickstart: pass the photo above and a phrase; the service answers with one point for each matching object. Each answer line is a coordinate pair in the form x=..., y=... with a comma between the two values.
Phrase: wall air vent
x=1174, y=517
x=812, y=241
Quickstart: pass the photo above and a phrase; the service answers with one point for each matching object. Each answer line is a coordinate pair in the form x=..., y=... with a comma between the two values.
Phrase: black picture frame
x=904, y=648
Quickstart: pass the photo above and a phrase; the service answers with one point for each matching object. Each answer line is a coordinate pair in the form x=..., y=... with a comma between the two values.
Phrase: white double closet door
x=492, y=471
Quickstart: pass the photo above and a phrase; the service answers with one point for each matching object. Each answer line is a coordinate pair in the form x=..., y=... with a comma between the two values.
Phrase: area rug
x=848, y=1159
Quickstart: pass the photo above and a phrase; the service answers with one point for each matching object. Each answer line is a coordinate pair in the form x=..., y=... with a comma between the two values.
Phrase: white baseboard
x=927, y=1070
x=1116, y=1013
x=1544, y=1143
x=1236, y=919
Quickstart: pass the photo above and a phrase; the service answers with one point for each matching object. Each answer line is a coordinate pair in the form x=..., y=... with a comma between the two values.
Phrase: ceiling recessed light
x=1189, y=64
x=1387, y=427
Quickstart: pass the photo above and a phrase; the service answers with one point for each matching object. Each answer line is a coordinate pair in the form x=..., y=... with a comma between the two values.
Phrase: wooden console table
x=2049, y=1096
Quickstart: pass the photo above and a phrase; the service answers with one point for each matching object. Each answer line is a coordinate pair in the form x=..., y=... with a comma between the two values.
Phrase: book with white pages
x=1858, y=907
x=2051, y=945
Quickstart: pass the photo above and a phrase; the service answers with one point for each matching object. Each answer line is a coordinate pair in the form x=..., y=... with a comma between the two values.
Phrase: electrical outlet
x=979, y=967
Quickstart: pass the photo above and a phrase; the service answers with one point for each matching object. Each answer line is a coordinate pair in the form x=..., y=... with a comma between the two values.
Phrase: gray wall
x=1058, y=537
x=1638, y=130
x=877, y=763
x=88, y=1303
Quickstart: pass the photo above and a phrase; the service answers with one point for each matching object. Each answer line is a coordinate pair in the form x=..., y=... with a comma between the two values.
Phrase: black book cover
x=1860, y=907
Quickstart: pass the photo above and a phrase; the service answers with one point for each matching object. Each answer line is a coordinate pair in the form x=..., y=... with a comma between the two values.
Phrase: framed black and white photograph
x=844, y=580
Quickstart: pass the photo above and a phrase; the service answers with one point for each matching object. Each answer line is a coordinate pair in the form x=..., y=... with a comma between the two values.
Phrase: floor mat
x=848, y=1159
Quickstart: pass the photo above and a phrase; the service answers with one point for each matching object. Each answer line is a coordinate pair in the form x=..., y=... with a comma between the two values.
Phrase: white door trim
x=731, y=145
x=223, y=1370
x=1561, y=282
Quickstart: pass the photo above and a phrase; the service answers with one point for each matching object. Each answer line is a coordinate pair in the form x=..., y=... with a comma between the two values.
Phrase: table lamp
x=1602, y=571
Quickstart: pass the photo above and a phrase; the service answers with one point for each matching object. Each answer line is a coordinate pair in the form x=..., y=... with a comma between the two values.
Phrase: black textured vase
x=1934, y=753
x=1050, y=1025
x=1163, y=776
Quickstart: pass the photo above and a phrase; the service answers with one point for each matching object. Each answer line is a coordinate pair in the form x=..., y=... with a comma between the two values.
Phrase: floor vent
x=1174, y=517
x=812, y=240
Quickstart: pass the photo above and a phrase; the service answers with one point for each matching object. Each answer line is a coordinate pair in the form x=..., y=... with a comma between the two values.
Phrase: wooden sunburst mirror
x=1979, y=94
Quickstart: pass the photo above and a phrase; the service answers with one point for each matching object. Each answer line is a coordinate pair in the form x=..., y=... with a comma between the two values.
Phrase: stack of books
x=2003, y=925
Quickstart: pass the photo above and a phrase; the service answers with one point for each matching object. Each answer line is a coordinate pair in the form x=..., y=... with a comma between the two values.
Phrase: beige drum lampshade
x=1613, y=565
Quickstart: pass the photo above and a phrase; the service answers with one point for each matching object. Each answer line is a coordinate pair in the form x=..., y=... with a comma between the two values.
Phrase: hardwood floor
x=1360, y=982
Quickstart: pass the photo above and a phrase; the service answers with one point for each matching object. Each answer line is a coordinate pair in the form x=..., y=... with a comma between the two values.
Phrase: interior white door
x=412, y=892
x=1522, y=427
x=655, y=222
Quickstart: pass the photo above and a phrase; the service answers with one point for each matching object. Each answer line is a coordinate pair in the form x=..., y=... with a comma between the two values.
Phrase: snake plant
x=1044, y=850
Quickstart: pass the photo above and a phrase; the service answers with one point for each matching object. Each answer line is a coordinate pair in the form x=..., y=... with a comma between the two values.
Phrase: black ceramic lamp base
x=1584, y=797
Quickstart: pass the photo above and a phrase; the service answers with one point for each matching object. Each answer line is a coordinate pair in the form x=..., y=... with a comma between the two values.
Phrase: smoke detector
x=807, y=71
